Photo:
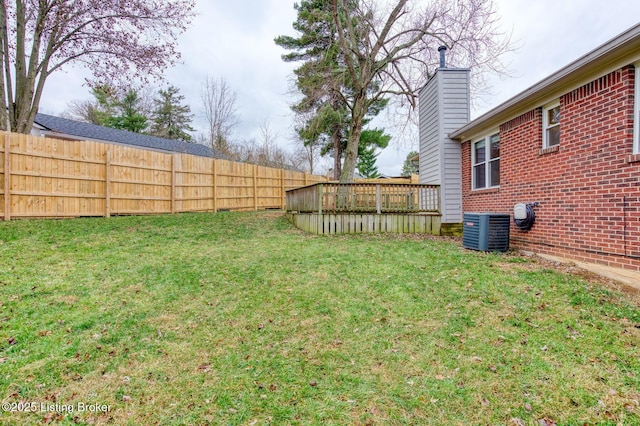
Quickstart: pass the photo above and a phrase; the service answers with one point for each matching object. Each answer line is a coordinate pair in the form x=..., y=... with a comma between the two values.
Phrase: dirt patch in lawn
x=532, y=262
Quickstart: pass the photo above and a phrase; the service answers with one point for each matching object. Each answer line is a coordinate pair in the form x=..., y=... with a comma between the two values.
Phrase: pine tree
x=410, y=167
x=321, y=81
x=104, y=107
x=130, y=117
x=171, y=119
x=110, y=109
x=370, y=141
x=367, y=163
x=321, y=106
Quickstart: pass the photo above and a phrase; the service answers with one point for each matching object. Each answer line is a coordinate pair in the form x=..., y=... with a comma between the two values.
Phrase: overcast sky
x=234, y=40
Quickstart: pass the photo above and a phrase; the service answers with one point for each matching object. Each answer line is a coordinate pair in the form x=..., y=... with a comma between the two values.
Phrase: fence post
x=215, y=187
x=255, y=187
x=107, y=184
x=173, y=183
x=319, y=198
x=7, y=176
x=378, y=199
x=284, y=193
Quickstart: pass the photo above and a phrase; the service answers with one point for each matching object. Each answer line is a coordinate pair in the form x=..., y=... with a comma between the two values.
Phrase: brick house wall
x=588, y=186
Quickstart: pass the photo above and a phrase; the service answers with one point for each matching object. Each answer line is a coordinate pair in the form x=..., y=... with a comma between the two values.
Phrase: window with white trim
x=486, y=162
x=636, y=114
x=551, y=126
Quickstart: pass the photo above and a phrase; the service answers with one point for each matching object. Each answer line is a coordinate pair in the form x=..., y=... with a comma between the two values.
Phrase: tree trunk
x=22, y=114
x=22, y=120
x=351, y=153
x=5, y=73
x=337, y=152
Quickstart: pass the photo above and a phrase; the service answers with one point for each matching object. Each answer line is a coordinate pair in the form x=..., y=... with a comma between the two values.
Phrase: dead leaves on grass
x=541, y=422
x=52, y=416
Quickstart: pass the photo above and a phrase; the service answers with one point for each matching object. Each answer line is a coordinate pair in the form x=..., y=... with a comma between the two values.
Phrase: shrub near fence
x=45, y=177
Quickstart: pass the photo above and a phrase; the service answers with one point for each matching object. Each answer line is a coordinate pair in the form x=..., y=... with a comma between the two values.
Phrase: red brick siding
x=589, y=193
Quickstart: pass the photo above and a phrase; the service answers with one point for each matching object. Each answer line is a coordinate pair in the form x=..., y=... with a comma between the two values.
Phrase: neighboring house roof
x=71, y=129
x=383, y=176
x=614, y=54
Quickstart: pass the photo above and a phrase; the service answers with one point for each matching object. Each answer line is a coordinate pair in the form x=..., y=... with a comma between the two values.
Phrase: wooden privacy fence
x=364, y=198
x=45, y=177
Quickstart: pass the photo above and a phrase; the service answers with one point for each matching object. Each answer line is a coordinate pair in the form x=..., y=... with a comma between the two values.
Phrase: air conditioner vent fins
x=486, y=231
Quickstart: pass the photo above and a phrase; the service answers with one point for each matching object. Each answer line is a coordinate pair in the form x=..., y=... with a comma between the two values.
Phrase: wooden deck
x=332, y=208
x=366, y=223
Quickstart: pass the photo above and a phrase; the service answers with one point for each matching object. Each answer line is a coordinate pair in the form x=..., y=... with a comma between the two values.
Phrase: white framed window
x=551, y=125
x=485, y=158
x=636, y=113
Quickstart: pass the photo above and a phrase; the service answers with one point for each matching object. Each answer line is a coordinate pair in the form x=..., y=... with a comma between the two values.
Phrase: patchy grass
x=238, y=318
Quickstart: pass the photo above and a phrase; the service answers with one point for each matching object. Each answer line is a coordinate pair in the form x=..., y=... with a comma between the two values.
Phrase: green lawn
x=239, y=318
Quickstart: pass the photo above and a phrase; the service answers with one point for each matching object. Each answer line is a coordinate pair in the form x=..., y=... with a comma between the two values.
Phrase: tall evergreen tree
x=316, y=47
x=171, y=119
x=321, y=80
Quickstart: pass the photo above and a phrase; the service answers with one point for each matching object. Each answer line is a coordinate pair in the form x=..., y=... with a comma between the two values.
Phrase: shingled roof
x=66, y=128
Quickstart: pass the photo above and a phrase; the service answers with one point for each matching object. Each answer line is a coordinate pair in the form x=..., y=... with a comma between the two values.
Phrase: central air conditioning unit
x=486, y=231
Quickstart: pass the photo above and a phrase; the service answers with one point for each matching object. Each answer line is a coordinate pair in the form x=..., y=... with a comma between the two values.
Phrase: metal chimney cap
x=443, y=62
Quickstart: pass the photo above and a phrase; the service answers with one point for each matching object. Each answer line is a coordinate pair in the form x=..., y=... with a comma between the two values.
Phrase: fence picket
x=107, y=184
x=7, y=177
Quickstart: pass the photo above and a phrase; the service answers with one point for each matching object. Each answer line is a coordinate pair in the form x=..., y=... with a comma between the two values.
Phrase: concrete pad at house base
x=624, y=276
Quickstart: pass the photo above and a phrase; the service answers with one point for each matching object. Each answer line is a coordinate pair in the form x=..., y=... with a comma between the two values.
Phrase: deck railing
x=364, y=198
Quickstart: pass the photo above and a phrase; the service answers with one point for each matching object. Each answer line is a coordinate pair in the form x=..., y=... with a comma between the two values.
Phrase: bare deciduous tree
x=219, y=106
x=115, y=40
x=85, y=110
x=307, y=158
x=264, y=151
x=389, y=48
x=268, y=152
x=306, y=154
x=254, y=152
